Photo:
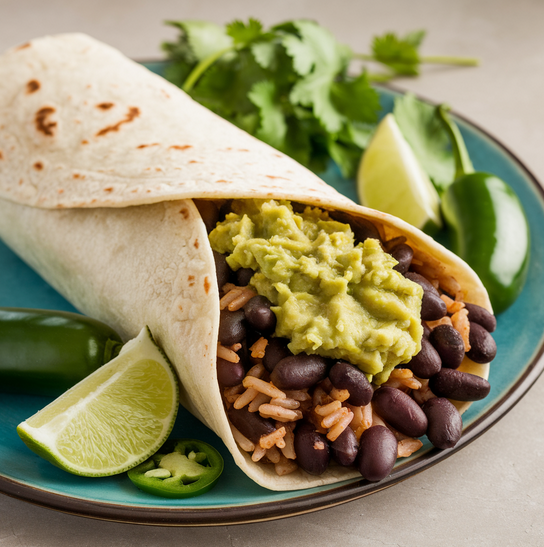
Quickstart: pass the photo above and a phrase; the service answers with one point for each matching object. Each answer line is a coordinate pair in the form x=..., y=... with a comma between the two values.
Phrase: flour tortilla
x=100, y=161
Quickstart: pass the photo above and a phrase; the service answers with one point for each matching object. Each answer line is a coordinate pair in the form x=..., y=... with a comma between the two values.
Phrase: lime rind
x=390, y=179
x=112, y=420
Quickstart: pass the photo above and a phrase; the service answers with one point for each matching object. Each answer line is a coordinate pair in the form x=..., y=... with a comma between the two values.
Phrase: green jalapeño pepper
x=181, y=469
x=487, y=223
x=44, y=352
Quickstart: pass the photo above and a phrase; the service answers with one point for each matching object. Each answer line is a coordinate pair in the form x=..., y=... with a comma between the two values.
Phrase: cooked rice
x=340, y=426
x=245, y=398
x=461, y=324
x=243, y=442
x=406, y=447
x=227, y=354
x=267, y=441
x=326, y=410
x=260, y=399
x=279, y=413
x=264, y=387
x=339, y=394
x=258, y=348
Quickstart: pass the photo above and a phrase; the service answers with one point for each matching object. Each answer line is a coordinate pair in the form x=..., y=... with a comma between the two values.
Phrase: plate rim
x=307, y=501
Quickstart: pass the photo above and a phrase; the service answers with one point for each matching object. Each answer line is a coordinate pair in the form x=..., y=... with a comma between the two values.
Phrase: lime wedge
x=112, y=420
x=390, y=179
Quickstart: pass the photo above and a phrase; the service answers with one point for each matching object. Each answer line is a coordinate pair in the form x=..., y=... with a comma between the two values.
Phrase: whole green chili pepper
x=182, y=468
x=44, y=352
x=488, y=224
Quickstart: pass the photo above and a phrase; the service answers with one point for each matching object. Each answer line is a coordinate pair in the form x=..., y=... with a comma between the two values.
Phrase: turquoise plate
x=236, y=499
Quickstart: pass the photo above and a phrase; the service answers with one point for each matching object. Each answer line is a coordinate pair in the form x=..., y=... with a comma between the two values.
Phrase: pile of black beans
x=375, y=453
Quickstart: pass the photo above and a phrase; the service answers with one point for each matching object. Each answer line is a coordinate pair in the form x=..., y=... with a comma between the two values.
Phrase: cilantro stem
x=447, y=60
x=432, y=59
x=202, y=66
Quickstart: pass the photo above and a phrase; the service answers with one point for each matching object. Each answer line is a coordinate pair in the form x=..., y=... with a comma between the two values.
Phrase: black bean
x=400, y=411
x=243, y=276
x=229, y=374
x=343, y=375
x=460, y=386
x=449, y=345
x=311, y=448
x=445, y=422
x=299, y=371
x=403, y=254
x=427, y=362
x=477, y=314
x=259, y=315
x=344, y=449
x=275, y=351
x=209, y=212
x=482, y=346
x=222, y=270
x=426, y=329
x=250, y=424
x=377, y=453
x=362, y=229
x=231, y=327
x=432, y=306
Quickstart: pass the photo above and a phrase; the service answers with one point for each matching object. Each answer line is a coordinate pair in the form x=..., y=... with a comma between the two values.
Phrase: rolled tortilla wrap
x=99, y=163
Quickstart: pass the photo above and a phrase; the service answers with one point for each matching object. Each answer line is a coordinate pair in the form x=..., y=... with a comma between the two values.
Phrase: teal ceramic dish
x=236, y=499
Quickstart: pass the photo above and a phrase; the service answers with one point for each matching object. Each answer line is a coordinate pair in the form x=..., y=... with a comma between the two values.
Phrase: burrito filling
x=331, y=296
x=338, y=343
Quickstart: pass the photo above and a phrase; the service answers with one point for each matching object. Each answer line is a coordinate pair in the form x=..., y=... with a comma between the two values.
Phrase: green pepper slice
x=45, y=352
x=182, y=468
x=487, y=223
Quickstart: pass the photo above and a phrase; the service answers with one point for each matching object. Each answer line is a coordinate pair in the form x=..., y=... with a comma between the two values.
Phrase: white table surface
x=491, y=492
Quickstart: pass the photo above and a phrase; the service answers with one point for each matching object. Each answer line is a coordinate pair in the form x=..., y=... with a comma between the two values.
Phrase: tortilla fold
x=100, y=161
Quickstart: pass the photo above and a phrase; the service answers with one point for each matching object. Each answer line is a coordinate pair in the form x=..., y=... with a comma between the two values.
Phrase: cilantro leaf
x=273, y=127
x=242, y=33
x=427, y=137
x=328, y=59
x=356, y=99
x=289, y=85
x=200, y=38
x=264, y=53
x=399, y=54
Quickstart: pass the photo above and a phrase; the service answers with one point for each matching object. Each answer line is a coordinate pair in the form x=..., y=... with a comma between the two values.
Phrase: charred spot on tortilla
x=191, y=280
x=133, y=112
x=196, y=244
x=38, y=166
x=105, y=106
x=109, y=189
x=1, y=155
x=78, y=176
x=184, y=212
x=84, y=142
x=147, y=145
x=224, y=181
x=32, y=86
x=43, y=123
x=23, y=46
x=181, y=146
x=207, y=285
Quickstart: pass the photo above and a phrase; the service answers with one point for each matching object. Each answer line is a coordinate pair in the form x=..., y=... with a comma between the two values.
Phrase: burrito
x=142, y=207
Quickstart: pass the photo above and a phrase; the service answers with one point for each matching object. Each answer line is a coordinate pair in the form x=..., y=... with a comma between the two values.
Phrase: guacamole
x=330, y=296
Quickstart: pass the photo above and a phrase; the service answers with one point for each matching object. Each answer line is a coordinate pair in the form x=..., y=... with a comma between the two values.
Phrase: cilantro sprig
x=289, y=85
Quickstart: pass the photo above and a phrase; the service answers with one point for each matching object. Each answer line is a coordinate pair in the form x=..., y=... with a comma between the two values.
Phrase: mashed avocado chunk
x=331, y=297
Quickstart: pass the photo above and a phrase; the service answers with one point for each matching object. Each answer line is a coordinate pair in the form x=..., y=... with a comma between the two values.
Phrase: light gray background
x=490, y=493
